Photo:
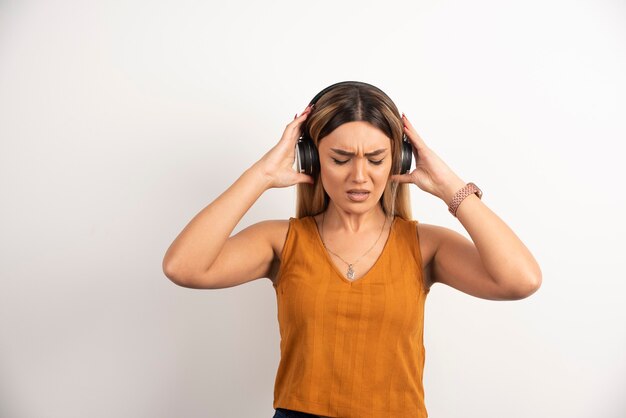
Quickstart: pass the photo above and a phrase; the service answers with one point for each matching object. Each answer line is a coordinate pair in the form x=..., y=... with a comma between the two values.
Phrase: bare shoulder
x=276, y=233
x=429, y=237
x=273, y=231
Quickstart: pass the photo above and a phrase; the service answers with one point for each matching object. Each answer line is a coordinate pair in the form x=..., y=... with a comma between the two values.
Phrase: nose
x=360, y=168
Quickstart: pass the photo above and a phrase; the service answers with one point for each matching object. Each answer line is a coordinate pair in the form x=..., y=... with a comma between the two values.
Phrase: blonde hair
x=350, y=102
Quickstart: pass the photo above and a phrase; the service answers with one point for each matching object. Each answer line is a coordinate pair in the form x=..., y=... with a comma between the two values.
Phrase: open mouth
x=358, y=195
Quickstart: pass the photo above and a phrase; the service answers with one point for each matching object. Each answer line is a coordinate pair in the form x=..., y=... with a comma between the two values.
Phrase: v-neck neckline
x=334, y=267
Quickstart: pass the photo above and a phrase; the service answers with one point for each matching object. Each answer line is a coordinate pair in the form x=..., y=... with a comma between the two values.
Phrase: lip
x=358, y=191
x=364, y=195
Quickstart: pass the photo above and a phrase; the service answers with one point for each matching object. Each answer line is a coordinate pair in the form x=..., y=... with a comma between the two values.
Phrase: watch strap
x=465, y=191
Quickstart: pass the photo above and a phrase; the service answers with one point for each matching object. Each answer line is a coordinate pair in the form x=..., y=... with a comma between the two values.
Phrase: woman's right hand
x=277, y=164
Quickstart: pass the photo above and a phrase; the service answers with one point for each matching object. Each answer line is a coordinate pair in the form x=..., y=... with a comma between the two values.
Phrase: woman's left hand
x=431, y=174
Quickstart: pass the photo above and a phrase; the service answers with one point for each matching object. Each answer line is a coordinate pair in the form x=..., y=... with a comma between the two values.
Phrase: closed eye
x=375, y=162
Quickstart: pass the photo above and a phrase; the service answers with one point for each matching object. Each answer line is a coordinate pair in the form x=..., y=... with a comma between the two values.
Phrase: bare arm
x=195, y=250
x=496, y=265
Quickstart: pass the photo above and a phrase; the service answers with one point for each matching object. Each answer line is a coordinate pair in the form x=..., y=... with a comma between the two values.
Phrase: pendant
x=350, y=272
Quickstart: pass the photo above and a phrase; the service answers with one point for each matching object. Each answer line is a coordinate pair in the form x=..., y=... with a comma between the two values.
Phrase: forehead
x=355, y=135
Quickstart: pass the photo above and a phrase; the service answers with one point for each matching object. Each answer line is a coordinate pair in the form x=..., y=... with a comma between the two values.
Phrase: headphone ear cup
x=315, y=161
x=407, y=156
x=308, y=158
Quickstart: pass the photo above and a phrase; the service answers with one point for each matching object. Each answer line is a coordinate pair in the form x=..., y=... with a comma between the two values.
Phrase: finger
x=297, y=120
x=289, y=140
x=292, y=131
x=304, y=178
x=410, y=129
x=296, y=125
x=412, y=134
x=401, y=178
x=306, y=111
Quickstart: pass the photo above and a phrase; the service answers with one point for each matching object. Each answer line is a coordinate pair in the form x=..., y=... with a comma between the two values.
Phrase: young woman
x=352, y=270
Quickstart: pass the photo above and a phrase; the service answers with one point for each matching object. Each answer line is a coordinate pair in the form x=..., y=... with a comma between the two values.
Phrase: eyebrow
x=350, y=154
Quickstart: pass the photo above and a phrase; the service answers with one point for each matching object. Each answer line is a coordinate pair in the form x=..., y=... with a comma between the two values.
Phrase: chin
x=348, y=205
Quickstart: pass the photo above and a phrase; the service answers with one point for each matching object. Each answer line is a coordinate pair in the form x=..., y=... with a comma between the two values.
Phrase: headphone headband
x=307, y=156
x=354, y=83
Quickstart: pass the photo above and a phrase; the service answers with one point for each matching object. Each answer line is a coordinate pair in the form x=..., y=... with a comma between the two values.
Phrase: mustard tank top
x=351, y=349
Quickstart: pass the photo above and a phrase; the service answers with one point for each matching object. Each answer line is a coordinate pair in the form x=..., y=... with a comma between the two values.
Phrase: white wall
x=121, y=120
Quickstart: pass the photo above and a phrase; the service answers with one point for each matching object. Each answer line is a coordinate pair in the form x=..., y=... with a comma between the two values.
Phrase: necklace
x=350, y=273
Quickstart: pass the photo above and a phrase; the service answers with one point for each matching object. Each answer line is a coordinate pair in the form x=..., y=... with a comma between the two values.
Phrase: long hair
x=347, y=103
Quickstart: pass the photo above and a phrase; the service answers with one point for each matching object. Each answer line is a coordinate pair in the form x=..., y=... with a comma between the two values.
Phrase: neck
x=339, y=220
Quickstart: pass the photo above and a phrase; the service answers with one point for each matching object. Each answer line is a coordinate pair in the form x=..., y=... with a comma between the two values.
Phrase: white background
x=121, y=120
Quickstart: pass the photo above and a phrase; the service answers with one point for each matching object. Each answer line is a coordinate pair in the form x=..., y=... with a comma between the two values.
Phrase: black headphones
x=306, y=152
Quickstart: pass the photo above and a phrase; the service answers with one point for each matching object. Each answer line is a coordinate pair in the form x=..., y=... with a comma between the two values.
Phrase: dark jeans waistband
x=288, y=413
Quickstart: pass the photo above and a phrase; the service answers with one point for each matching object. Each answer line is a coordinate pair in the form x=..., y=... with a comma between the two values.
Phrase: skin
x=340, y=173
x=351, y=228
x=494, y=264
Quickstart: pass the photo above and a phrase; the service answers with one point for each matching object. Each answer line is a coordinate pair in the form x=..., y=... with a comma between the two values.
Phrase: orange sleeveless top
x=351, y=349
